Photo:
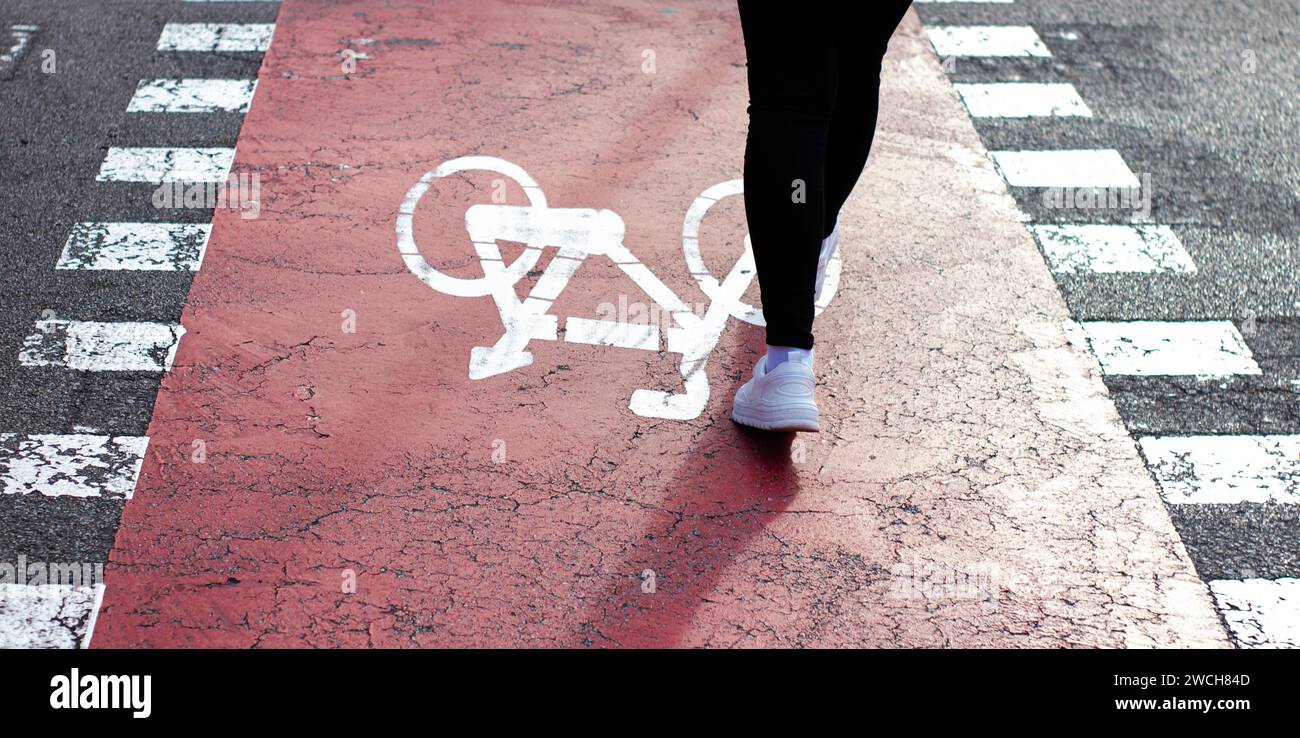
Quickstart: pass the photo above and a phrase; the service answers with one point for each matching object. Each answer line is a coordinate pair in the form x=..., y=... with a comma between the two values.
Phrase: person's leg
x=792, y=85
x=861, y=35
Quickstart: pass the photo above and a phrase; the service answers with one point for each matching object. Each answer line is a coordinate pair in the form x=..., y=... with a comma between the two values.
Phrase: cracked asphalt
x=1201, y=96
x=975, y=483
x=58, y=122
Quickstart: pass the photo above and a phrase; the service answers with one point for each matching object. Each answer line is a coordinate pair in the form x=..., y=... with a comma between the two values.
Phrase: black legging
x=814, y=87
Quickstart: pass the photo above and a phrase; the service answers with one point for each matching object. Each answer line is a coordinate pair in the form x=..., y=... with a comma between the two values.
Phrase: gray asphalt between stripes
x=1169, y=85
x=55, y=131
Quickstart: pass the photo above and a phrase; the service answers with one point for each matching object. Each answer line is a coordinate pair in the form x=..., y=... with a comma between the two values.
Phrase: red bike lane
x=323, y=470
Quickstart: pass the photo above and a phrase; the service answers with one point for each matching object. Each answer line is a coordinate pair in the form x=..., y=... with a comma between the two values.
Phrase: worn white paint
x=157, y=165
x=216, y=37
x=71, y=465
x=1064, y=168
x=986, y=41
x=192, y=96
x=1107, y=248
x=612, y=333
x=1208, y=348
x=501, y=276
x=135, y=246
x=1022, y=100
x=577, y=233
x=1225, y=469
x=1260, y=613
x=20, y=36
x=48, y=616
x=102, y=347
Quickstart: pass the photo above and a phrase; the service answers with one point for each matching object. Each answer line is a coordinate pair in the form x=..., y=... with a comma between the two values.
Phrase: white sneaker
x=829, y=244
x=779, y=400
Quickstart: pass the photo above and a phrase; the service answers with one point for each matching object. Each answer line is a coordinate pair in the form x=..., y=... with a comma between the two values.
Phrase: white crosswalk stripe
x=192, y=96
x=986, y=41
x=102, y=347
x=1211, y=348
x=1110, y=248
x=1065, y=168
x=48, y=615
x=1022, y=100
x=1225, y=469
x=1260, y=613
x=71, y=465
x=157, y=165
x=135, y=246
x=216, y=37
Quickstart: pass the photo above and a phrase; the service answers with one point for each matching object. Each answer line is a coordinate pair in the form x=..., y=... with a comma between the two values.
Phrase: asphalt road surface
x=1202, y=97
x=319, y=468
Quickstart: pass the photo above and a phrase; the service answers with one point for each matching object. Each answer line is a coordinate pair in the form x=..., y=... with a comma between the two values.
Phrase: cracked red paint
x=962, y=430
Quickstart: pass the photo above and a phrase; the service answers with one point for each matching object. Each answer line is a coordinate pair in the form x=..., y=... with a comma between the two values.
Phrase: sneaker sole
x=790, y=418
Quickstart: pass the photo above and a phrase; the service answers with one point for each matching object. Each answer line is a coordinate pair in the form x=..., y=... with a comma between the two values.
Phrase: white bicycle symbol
x=578, y=233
